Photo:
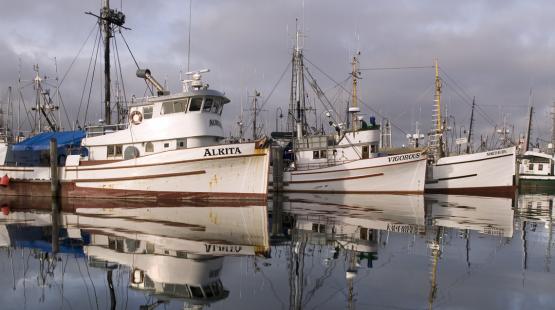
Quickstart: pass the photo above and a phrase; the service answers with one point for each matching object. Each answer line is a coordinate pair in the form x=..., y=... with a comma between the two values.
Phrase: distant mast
x=354, y=109
x=468, y=142
x=295, y=117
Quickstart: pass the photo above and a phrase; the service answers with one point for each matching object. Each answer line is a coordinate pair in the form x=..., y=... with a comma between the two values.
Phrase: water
x=298, y=252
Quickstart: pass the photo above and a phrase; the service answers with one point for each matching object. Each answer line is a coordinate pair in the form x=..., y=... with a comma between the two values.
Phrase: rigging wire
x=76, y=56
x=359, y=100
x=61, y=103
x=21, y=100
x=275, y=85
x=134, y=60
x=92, y=81
x=319, y=94
x=95, y=46
x=396, y=68
x=467, y=99
x=121, y=74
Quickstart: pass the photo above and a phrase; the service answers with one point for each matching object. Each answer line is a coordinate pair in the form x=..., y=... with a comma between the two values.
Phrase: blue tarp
x=41, y=141
x=35, y=151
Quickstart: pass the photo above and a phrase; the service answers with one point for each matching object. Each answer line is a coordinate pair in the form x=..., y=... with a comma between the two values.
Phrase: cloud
x=495, y=50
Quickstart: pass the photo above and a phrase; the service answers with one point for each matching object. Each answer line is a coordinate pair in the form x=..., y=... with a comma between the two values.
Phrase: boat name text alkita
x=222, y=151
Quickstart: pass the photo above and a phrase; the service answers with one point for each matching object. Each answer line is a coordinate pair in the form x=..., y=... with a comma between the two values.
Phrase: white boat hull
x=217, y=172
x=489, y=173
x=390, y=174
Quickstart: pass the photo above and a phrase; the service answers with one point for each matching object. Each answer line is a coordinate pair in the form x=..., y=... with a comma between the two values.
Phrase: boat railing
x=99, y=130
x=310, y=166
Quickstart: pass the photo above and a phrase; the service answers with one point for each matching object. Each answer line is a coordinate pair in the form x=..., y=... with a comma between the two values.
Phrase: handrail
x=99, y=130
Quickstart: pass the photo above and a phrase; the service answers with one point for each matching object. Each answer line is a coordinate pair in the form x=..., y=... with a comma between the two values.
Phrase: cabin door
x=365, y=153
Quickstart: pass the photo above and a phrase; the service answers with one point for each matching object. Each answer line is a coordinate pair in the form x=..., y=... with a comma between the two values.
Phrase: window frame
x=193, y=101
x=149, y=114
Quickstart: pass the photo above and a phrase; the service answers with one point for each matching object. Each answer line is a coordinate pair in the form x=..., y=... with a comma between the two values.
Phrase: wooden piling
x=277, y=165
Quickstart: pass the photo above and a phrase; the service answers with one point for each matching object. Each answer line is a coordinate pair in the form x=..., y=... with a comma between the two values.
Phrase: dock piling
x=277, y=165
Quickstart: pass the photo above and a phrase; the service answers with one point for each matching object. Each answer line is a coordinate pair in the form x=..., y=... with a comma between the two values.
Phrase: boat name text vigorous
x=496, y=152
x=222, y=151
x=406, y=229
x=397, y=158
x=223, y=248
x=215, y=122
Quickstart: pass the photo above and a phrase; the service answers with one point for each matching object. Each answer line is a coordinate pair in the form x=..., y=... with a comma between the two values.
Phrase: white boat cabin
x=536, y=163
x=317, y=151
x=157, y=124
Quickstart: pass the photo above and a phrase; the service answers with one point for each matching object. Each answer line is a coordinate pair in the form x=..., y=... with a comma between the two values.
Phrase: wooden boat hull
x=490, y=173
x=398, y=174
x=198, y=173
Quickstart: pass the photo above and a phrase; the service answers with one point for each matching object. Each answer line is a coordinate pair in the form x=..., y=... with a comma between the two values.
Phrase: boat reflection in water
x=349, y=228
x=309, y=252
x=536, y=219
x=487, y=215
x=169, y=252
x=492, y=216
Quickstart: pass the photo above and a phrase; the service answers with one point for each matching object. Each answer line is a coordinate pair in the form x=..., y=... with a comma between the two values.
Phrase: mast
x=296, y=118
x=105, y=16
x=437, y=99
x=471, y=124
x=435, y=141
x=254, y=109
x=37, y=83
x=355, y=75
x=10, y=107
x=529, y=130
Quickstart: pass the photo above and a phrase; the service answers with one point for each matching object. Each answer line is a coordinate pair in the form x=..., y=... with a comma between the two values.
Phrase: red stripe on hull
x=498, y=191
x=69, y=190
x=21, y=203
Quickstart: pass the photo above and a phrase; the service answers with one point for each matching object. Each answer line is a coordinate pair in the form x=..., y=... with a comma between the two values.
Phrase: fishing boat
x=347, y=161
x=175, y=255
x=535, y=166
x=490, y=173
x=168, y=147
x=536, y=172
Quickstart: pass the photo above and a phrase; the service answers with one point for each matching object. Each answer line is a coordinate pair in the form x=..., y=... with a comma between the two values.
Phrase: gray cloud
x=495, y=50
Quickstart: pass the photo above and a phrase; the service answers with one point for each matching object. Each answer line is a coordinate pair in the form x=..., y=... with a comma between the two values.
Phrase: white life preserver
x=136, y=117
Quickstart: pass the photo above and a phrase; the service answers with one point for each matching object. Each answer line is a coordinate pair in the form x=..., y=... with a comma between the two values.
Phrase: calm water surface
x=297, y=252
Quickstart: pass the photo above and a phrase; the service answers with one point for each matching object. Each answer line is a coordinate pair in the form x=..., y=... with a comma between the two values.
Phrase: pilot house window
x=196, y=103
x=207, y=104
x=174, y=106
x=315, y=155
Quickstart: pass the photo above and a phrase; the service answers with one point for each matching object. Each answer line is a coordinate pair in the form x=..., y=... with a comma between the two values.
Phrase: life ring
x=136, y=117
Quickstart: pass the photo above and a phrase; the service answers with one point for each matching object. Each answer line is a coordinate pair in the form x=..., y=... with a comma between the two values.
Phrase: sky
x=499, y=51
